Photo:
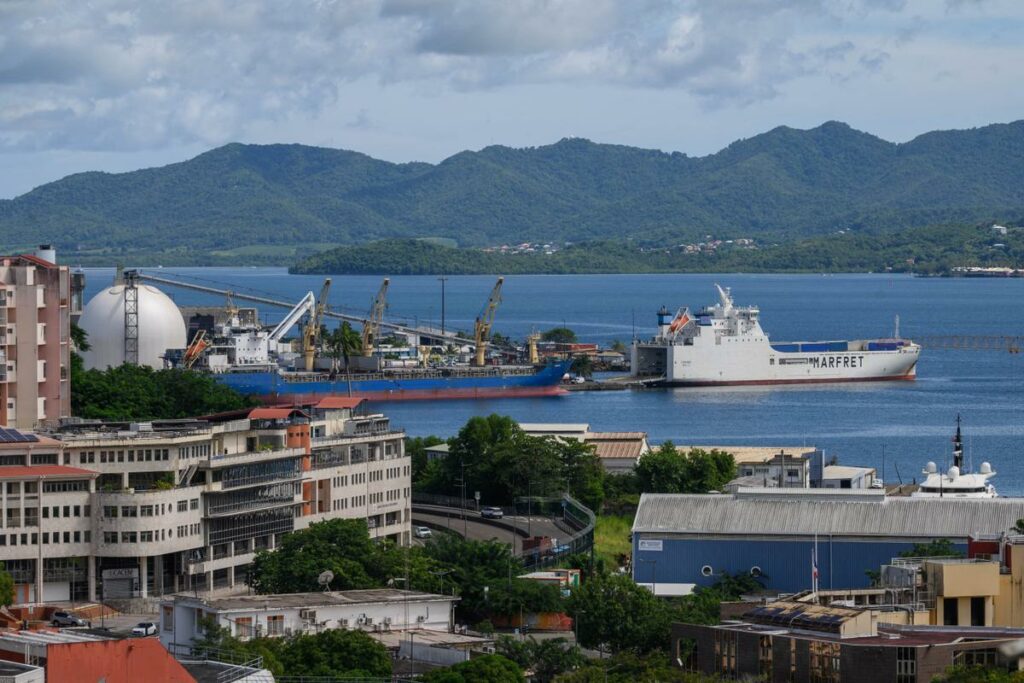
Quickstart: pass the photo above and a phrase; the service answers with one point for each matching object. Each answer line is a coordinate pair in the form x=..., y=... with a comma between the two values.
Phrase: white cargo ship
x=724, y=344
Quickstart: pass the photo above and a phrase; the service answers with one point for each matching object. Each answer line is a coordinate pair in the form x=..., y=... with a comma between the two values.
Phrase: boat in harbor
x=957, y=482
x=724, y=344
x=402, y=384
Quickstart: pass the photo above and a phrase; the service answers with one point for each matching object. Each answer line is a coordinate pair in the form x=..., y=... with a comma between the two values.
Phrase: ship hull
x=753, y=362
x=273, y=387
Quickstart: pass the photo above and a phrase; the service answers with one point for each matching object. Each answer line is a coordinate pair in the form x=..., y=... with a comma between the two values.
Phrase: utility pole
x=443, y=279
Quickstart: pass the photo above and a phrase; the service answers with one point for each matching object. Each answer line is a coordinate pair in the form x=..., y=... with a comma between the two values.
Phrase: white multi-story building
x=133, y=510
x=283, y=614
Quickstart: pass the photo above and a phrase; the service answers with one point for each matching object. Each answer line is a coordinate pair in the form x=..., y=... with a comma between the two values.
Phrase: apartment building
x=38, y=299
x=153, y=508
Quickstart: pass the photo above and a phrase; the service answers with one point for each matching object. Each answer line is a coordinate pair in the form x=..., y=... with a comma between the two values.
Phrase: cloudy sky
x=121, y=84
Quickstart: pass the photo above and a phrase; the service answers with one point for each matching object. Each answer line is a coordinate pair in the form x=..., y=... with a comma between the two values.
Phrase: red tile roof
x=273, y=413
x=28, y=472
x=338, y=402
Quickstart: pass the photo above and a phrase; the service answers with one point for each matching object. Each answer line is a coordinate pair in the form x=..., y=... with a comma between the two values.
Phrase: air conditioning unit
x=343, y=623
x=259, y=630
x=387, y=621
x=360, y=620
x=368, y=620
x=421, y=618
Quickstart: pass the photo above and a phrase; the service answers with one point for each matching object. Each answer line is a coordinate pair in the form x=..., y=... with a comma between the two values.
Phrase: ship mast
x=958, y=446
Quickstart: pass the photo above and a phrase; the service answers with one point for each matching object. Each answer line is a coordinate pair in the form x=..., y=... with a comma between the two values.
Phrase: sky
x=116, y=85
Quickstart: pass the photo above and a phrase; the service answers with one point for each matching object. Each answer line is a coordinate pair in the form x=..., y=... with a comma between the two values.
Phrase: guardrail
x=578, y=519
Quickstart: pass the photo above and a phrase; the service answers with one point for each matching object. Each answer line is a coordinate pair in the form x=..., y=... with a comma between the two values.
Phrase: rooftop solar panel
x=14, y=436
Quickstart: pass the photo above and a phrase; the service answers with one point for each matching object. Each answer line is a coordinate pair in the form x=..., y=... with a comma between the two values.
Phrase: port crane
x=371, y=326
x=484, y=322
x=311, y=331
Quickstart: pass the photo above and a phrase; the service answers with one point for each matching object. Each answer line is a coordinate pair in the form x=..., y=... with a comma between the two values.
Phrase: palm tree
x=342, y=342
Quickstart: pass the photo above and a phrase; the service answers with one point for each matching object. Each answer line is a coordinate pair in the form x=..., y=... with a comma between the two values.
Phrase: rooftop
x=279, y=601
x=555, y=427
x=754, y=454
x=802, y=615
x=49, y=471
x=845, y=471
x=784, y=515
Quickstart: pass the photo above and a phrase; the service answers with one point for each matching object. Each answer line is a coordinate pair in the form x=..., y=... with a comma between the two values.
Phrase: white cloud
x=129, y=75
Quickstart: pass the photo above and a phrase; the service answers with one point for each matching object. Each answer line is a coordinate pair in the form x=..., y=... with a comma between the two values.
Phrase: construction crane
x=195, y=349
x=311, y=332
x=371, y=326
x=484, y=321
x=306, y=305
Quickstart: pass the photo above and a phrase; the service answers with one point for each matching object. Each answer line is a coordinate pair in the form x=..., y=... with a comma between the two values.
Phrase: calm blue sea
x=906, y=423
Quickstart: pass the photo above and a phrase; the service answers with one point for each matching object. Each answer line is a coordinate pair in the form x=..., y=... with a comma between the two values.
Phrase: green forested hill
x=272, y=202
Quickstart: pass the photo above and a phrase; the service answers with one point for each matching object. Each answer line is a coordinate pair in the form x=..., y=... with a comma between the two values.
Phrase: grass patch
x=611, y=538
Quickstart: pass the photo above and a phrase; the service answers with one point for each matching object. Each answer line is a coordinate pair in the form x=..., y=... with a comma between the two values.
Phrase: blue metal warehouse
x=694, y=539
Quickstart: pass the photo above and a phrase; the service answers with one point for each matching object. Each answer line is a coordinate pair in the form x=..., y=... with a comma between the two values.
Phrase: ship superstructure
x=957, y=482
x=724, y=344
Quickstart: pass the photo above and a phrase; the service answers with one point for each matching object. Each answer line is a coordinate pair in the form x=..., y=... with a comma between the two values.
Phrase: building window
x=275, y=625
x=977, y=611
x=243, y=627
x=182, y=506
x=110, y=537
x=725, y=653
x=824, y=661
x=987, y=658
x=906, y=665
x=950, y=611
x=146, y=510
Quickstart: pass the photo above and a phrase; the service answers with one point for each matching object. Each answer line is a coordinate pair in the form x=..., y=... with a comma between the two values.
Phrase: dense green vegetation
x=274, y=203
x=331, y=653
x=481, y=572
x=482, y=669
x=6, y=587
x=931, y=249
x=502, y=462
x=628, y=667
x=667, y=470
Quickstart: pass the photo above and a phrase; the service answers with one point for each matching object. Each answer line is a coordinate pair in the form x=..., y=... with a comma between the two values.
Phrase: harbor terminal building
x=681, y=541
x=101, y=510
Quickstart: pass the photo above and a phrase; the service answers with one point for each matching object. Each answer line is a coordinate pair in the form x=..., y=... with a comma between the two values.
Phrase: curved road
x=479, y=529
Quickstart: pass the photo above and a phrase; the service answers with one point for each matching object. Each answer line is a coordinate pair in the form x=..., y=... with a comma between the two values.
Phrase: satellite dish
x=325, y=578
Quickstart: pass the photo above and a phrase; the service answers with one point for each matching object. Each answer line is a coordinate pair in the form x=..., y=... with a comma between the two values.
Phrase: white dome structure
x=161, y=327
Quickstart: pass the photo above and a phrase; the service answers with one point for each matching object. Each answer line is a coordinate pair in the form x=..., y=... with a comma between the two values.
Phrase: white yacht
x=956, y=482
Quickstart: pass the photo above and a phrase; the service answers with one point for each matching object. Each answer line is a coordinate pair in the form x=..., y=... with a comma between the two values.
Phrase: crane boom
x=484, y=322
x=311, y=332
x=288, y=322
x=447, y=337
x=371, y=326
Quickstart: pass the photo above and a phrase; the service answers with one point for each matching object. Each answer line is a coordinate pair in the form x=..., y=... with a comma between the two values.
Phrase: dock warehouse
x=681, y=539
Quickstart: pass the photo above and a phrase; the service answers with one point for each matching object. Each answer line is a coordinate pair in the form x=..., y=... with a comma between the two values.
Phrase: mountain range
x=277, y=200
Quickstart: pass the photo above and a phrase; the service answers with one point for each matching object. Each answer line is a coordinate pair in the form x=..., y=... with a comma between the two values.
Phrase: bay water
x=895, y=427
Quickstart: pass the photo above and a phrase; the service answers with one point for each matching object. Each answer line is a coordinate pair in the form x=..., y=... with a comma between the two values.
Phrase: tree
x=474, y=565
x=342, y=342
x=617, y=345
x=666, y=470
x=484, y=669
x=582, y=365
x=6, y=587
x=940, y=547
x=1018, y=527
x=614, y=612
x=416, y=448
x=559, y=335
x=336, y=652
x=132, y=392
x=584, y=473
x=979, y=674
x=628, y=667
x=545, y=658
x=338, y=545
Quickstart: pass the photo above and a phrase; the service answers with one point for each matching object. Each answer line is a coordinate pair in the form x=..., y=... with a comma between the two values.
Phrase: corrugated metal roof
x=339, y=402
x=845, y=471
x=751, y=454
x=617, y=449
x=29, y=471
x=273, y=413
x=778, y=516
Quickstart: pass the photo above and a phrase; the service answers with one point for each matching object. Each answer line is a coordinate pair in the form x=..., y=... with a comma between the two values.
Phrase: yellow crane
x=531, y=344
x=484, y=322
x=311, y=331
x=371, y=326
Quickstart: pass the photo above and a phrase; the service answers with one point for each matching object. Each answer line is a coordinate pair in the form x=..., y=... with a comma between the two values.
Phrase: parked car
x=66, y=619
x=421, y=532
x=145, y=628
x=491, y=513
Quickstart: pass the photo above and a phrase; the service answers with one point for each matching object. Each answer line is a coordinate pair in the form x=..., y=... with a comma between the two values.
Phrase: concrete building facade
x=37, y=302
x=118, y=510
x=247, y=616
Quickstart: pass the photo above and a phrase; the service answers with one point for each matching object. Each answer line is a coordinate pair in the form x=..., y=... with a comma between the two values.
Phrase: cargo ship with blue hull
x=725, y=345
x=402, y=384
